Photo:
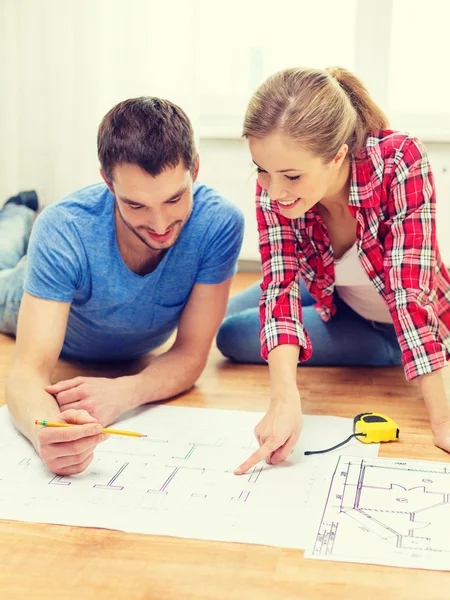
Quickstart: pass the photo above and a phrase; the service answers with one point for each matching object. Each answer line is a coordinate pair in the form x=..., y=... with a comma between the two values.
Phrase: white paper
x=178, y=481
x=384, y=511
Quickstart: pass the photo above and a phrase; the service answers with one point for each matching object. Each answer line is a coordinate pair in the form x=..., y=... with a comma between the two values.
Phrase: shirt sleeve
x=410, y=256
x=280, y=307
x=222, y=246
x=55, y=258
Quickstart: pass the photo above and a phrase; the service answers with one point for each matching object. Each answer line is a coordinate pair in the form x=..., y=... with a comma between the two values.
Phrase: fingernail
x=105, y=436
x=97, y=428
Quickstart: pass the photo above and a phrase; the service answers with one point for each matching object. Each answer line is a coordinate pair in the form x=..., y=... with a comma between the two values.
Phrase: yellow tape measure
x=375, y=428
x=369, y=428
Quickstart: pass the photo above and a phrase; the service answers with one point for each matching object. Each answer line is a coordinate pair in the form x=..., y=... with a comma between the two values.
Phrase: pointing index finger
x=260, y=454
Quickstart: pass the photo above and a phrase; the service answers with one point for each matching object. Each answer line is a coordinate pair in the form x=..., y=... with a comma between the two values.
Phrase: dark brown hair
x=321, y=110
x=149, y=132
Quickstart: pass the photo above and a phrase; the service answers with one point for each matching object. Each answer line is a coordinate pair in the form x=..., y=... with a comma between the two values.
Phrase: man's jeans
x=15, y=226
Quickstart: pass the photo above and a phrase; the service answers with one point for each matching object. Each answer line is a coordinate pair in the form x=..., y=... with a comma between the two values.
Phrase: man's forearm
x=435, y=397
x=168, y=375
x=27, y=400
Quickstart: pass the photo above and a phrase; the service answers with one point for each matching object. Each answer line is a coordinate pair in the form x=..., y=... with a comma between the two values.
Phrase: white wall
x=226, y=166
x=64, y=63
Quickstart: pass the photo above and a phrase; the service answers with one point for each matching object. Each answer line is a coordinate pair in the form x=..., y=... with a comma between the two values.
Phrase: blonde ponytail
x=321, y=110
x=370, y=115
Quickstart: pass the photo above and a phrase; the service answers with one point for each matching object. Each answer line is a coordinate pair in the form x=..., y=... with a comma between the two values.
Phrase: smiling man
x=111, y=272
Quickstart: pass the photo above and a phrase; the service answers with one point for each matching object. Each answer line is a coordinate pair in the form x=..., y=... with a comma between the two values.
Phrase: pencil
x=108, y=431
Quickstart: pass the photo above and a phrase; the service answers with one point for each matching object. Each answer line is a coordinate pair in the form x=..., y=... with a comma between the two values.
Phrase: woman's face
x=294, y=178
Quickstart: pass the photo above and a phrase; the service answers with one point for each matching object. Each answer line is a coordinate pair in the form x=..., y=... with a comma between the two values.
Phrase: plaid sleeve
x=280, y=305
x=409, y=262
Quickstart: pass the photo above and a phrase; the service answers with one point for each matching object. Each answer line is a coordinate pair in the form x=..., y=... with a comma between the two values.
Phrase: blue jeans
x=346, y=340
x=15, y=226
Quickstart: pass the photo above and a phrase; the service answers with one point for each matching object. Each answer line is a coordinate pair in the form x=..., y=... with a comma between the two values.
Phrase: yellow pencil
x=108, y=431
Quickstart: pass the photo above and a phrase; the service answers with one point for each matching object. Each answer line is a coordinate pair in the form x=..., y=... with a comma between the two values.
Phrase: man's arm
x=173, y=372
x=40, y=336
x=178, y=369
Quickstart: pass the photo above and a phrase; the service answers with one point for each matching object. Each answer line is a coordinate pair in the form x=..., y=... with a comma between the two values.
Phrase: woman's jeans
x=15, y=226
x=346, y=339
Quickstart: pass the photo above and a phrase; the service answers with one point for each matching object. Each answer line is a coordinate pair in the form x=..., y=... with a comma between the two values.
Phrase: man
x=112, y=270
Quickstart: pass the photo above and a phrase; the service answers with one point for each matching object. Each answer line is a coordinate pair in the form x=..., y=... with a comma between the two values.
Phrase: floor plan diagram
x=177, y=481
x=386, y=511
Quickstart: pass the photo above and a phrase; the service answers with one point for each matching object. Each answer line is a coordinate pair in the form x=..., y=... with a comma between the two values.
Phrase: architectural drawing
x=386, y=511
x=177, y=481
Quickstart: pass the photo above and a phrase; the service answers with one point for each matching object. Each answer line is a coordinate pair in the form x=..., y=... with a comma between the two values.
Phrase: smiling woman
x=347, y=236
x=298, y=188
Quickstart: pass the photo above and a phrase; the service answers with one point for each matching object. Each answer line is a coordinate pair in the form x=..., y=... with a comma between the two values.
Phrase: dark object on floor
x=29, y=199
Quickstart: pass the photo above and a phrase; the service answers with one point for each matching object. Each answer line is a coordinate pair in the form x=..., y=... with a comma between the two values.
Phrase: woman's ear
x=340, y=156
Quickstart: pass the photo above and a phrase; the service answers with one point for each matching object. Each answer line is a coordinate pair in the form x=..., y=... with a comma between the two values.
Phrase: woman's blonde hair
x=321, y=110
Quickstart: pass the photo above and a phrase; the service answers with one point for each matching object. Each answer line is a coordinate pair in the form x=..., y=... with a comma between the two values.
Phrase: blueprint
x=177, y=481
x=384, y=511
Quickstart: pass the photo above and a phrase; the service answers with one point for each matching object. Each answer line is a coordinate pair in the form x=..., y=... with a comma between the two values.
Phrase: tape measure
x=369, y=428
x=375, y=428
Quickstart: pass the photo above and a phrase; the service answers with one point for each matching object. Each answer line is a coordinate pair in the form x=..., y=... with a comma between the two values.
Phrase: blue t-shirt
x=115, y=314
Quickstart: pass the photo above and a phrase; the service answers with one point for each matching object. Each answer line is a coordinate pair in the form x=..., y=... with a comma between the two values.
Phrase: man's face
x=153, y=209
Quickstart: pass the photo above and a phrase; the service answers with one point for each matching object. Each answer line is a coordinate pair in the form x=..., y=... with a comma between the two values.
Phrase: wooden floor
x=47, y=561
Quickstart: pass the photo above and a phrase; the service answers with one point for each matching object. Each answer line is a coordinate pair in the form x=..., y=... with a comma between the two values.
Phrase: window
x=419, y=81
x=419, y=78
x=398, y=47
x=241, y=46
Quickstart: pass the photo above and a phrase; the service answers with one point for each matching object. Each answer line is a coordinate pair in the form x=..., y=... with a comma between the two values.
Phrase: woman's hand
x=434, y=394
x=441, y=433
x=277, y=433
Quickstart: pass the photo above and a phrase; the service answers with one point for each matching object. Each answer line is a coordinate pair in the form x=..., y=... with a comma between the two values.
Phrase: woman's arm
x=279, y=430
x=280, y=306
x=433, y=392
x=283, y=338
x=410, y=256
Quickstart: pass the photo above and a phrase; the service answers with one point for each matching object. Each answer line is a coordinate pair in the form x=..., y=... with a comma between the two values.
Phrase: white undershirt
x=355, y=288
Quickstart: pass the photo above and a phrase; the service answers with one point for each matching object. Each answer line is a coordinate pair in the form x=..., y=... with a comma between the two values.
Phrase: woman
x=349, y=206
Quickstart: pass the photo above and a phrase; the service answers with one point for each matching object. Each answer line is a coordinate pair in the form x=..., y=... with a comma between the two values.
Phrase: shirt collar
x=361, y=192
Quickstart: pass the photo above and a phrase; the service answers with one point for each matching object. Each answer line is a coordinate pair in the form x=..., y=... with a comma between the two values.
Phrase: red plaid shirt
x=392, y=198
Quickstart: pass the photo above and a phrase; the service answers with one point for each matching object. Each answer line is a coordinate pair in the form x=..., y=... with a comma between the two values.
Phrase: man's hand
x=70, y=450
x=441, y=433
x=104, y=399
x=277, y=433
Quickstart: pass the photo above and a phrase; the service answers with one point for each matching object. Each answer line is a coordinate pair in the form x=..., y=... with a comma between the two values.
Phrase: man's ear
x=196, y=168
x=108, y=183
